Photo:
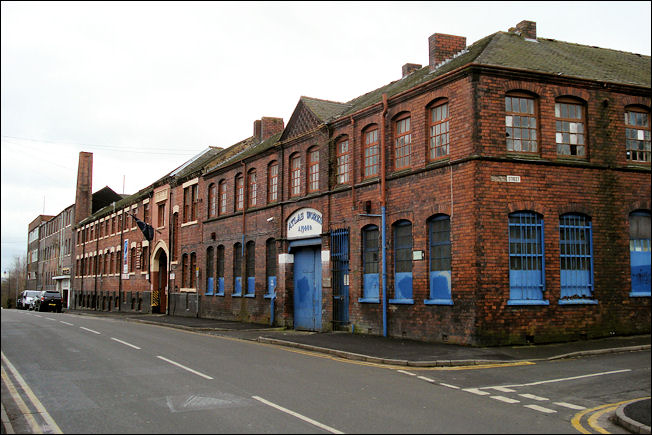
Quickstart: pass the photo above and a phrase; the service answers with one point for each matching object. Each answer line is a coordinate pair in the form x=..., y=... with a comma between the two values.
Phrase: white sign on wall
x=304, y=223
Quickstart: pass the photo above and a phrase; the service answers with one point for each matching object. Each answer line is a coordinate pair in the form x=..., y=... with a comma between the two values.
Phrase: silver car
x=29, y=297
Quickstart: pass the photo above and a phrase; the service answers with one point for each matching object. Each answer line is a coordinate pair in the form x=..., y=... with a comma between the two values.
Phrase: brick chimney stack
x=267, y=126
x=409, y=68
x=527, y=29
x=443, y=47
x=84, y=191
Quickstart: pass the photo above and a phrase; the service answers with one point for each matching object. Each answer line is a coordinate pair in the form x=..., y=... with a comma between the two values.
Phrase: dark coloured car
x=48, y=300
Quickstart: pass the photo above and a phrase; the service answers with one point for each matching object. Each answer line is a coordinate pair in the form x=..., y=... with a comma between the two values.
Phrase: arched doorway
x=159, y=281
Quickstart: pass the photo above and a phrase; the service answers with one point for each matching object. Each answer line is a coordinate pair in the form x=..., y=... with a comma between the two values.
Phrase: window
x=272, y=182
x=521, y=124
x=193, y=270
x=402, y=143
x=439, y=131
x=270, y=261
x=161, y=214
x=144, y=263
x=295, y=175
x=237, y=269
x=175, y=237
x=145, y=214
x=313, y=170
x=570, y=129
x=639, y=252
x=219, y=269
x=370, y=270
x=251, y=268
x=239, y=192
x=637, y=135
x=439, y=235
x=371, y=153
x=184, y=271
x=343, y=161
x=132, y=261
x=253, y=188
x=190, y=203
x=222, y=192
x=210, y=269
x=576, y=258
x=212, y=200
x=526, y=260
x=402, y=262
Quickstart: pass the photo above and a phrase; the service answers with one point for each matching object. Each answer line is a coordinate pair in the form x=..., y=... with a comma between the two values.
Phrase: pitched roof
x=324, y=109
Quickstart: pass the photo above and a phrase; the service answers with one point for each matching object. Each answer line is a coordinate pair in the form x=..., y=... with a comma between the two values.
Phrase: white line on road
x=505, y=399
x=562, y=379
x=406, y=373
x=570, y=405
x=450, y=386
x=50, y=318
x=540, y=409
x=125, y=343
x=503, y=389
x=477, y=391
x=89, y=330
x=184, y=367
x=297, y=415
x=427, y=379
x=533, y=397
x=66, y=323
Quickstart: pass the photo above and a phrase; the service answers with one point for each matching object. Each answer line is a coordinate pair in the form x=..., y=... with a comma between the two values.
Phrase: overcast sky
x=146, y=86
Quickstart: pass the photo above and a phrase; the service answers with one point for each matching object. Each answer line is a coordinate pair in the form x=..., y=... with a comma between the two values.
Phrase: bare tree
x=13, y=281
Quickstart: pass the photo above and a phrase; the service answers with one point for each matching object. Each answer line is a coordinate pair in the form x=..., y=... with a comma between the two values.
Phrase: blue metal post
x=384, y=271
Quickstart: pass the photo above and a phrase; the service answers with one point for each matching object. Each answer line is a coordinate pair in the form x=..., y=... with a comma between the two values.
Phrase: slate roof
x=509, y=50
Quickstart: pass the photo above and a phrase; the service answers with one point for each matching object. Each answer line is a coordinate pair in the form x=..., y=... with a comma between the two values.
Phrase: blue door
x=307, y=289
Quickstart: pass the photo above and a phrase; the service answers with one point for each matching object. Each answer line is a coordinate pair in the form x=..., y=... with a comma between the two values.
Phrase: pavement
x=634, y=416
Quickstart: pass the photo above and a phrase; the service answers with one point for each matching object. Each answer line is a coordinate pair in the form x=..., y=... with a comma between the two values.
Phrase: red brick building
x=500, y=194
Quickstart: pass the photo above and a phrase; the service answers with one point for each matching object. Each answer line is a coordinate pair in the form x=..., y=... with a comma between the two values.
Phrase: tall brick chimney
x=443, y=47
x=267, y=127
x=527, y=29
x=84, y=191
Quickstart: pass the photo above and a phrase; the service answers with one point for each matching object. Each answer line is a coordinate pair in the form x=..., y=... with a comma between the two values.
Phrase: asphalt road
x=98, y=375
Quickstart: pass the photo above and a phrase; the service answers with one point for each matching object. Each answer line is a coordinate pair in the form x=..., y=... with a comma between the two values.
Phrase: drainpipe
x=122, y=258
x=243, y=267
x=383, y=212
x=353, y=152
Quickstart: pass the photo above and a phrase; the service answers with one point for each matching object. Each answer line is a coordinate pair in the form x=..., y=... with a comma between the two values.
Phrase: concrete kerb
x=629, y=424
x=601, y=351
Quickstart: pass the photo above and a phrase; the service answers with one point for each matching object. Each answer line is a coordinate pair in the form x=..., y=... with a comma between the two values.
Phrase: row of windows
x=110, y=263
x=526, y=259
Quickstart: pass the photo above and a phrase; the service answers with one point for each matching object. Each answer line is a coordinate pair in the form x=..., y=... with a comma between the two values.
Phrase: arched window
x=272, y=182
x=251, y=268
x=439, y=130
x=576, y=258
x=343, y=156
x=210, y=270
x=237, y=269
x=193, y=270
x=570, y=128
x=402, y=142
x=239, y=192
x=175, y=236
x=270, y=265
x=402, y=262
x=637, y=134
x=439, y=241
x=212, y=200
x=313, y=169
x=132, y=260
x=370, y=261
x=295, y=174
x=184, y=271
x=521, y=123
x=220, y=270
x=253, y=188
x=526, y=259
x=371, y=151
x=222, y=200
x=639, y=252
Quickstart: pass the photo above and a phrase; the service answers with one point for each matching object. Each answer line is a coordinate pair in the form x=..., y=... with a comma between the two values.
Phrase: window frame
x=250, y=269
x=295, y=175
x=404, y=245
x=222, y=207
x=272, y=181
x=371, y=152
x=575, y=254
x=638, y=260
x=370, y=278
x=559, y=134
x=532, y=116
x=436, y=245
x=433, y=124
x=271, y=268
x=212, y=200
x=253, y=188
x=237, y=269
x=342, y=161
x=402, y=141
x=526, y=221
x=210, y=271
x=312, y=157
x=646, y=132
x=239, y=192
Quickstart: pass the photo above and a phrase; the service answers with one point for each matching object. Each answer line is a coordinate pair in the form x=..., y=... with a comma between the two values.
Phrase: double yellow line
x=598, y=411
x=50, y=425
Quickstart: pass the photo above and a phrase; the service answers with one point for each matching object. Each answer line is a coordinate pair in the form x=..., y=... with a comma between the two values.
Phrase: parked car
x=27, y=299
x=48, y=300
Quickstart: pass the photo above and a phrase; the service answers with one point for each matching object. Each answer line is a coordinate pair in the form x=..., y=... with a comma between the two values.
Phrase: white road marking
x=561, y=379
x=125, y=343
x=299, y=416
x=540, y=409
x=427, y=379
x=503, y=389
x=406, y=373
x=570, y=405
x=185, y=368
x=449, y=386
x=66, y=323
x=505, y=399
x=50, y=318
x=89, y=330
x=533, y=397
x=477, y=391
